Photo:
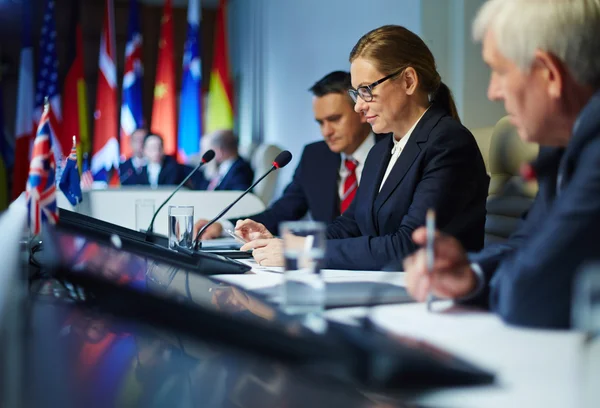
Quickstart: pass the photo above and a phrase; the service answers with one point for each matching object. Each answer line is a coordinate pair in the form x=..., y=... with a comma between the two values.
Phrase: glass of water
x=144, y=211
x=181, y=226
x=303, y=286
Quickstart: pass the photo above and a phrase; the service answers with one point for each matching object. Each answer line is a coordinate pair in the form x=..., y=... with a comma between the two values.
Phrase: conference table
x=545, y=368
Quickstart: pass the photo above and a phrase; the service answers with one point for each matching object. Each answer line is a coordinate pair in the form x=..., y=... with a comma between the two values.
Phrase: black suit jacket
x=531, y=275
x=440, y=167
x=171, y=173
x=239, y=177
x=314, y=189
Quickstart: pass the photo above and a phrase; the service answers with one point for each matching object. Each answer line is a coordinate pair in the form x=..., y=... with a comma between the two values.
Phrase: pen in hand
x=429, y=249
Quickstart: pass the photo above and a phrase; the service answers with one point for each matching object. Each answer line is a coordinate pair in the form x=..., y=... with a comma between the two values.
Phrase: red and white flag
x=105, y=146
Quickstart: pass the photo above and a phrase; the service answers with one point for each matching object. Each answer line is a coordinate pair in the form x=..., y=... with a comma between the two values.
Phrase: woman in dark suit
x=429, y=160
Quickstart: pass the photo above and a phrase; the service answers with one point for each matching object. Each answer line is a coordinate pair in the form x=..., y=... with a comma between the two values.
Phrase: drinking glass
x=144, y=211
x=303, y=286
x=181, y=226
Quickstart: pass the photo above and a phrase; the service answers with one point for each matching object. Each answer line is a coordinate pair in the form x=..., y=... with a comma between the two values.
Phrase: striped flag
x=5, y=154
x=105, y=149
x=75, y=102
x=41, y=187
x=164, y=117
x=220, y=91
x=24, y=121
x=190, y=105
x=47, y=83
x=87, y=180
x=70, y=183
x=131, y=106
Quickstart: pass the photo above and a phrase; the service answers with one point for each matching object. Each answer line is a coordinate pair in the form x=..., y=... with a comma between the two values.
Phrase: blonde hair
x=568, y=29
x=392, y=47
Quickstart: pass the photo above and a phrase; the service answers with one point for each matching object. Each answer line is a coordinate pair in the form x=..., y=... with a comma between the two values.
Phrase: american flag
x=47, y=82
x=87, y=180
x=41, y=187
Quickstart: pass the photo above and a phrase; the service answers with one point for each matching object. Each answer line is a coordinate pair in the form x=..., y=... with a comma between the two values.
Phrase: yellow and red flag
x=220, y=93
x=164, y=116
x=75, y=112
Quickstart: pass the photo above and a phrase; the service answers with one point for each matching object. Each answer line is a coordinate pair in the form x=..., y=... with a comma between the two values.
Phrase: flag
x=46, y=86
x=163, y=110
x=219, y=113
x=75, y=102
x=87, y=180
x=4, y=155
x=105, y=147
x=70, y=184
x=41, y=187
x=24, y=122
x=190, y=103
x=131, y=105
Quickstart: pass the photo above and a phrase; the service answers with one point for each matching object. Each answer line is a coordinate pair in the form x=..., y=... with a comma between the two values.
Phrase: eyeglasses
x=366, y=91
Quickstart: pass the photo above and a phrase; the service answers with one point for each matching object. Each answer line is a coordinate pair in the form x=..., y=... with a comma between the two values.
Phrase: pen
x=429, y=249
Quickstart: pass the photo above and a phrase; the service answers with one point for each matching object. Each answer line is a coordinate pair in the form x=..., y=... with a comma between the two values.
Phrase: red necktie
x=350, y=184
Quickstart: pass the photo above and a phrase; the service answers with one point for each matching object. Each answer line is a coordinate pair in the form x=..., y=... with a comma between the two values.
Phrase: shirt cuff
x=480, y=277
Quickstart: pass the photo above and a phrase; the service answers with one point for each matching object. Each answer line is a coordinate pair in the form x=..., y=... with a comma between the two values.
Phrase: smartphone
x=236, y=236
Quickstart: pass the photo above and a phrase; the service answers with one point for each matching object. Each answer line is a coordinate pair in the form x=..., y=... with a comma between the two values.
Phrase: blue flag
x=190, y=106
x=70, y=183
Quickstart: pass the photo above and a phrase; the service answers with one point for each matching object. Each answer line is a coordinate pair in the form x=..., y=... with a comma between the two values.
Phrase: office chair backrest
x=262, y=161
x=509, y=196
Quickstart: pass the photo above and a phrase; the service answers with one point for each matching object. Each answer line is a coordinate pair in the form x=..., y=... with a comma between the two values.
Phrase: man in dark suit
x=160, y=169
x=228, y=171
x=319, y=183
x=553, y=99
x=134, y=165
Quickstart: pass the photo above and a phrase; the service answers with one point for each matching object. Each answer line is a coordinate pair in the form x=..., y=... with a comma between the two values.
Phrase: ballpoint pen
x=429, y=249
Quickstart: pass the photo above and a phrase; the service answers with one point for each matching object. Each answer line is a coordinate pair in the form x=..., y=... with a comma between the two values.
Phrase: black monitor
x=157, y=292
x=200, y=262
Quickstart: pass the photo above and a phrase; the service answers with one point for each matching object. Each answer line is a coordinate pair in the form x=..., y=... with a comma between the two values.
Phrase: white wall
x=281, y=47
x=303, y=41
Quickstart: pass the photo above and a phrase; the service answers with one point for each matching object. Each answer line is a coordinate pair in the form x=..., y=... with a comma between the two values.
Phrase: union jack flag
x=41, y=185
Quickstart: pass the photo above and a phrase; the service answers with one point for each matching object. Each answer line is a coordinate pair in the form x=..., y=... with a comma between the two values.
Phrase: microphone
x=280, y=161
x=206, y=157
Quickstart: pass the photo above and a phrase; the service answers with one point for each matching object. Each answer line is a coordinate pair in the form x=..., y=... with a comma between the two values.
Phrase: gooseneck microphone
x=280, y=161
x=206, y=157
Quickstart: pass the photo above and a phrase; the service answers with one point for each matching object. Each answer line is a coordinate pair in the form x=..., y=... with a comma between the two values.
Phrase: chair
x=483, y=137
x=261, y=161
x=509, y=196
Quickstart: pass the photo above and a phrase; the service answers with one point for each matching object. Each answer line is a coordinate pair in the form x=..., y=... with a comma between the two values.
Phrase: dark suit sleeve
x=292, y=205
x=449, y=183
x=196, y=181
x=344, y=226
x=241, y=178
x=534, y=286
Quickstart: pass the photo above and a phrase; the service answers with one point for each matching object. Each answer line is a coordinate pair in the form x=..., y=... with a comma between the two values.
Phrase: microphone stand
x=149, y=232
x=198, y=242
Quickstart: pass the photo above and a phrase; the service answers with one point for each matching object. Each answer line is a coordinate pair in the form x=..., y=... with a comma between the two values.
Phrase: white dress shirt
x=138, y=163
x=360, y=155
x=399, y=146
x=153, y=172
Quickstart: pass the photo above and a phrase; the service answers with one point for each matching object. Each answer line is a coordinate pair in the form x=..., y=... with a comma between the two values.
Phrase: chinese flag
x=164, y=117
